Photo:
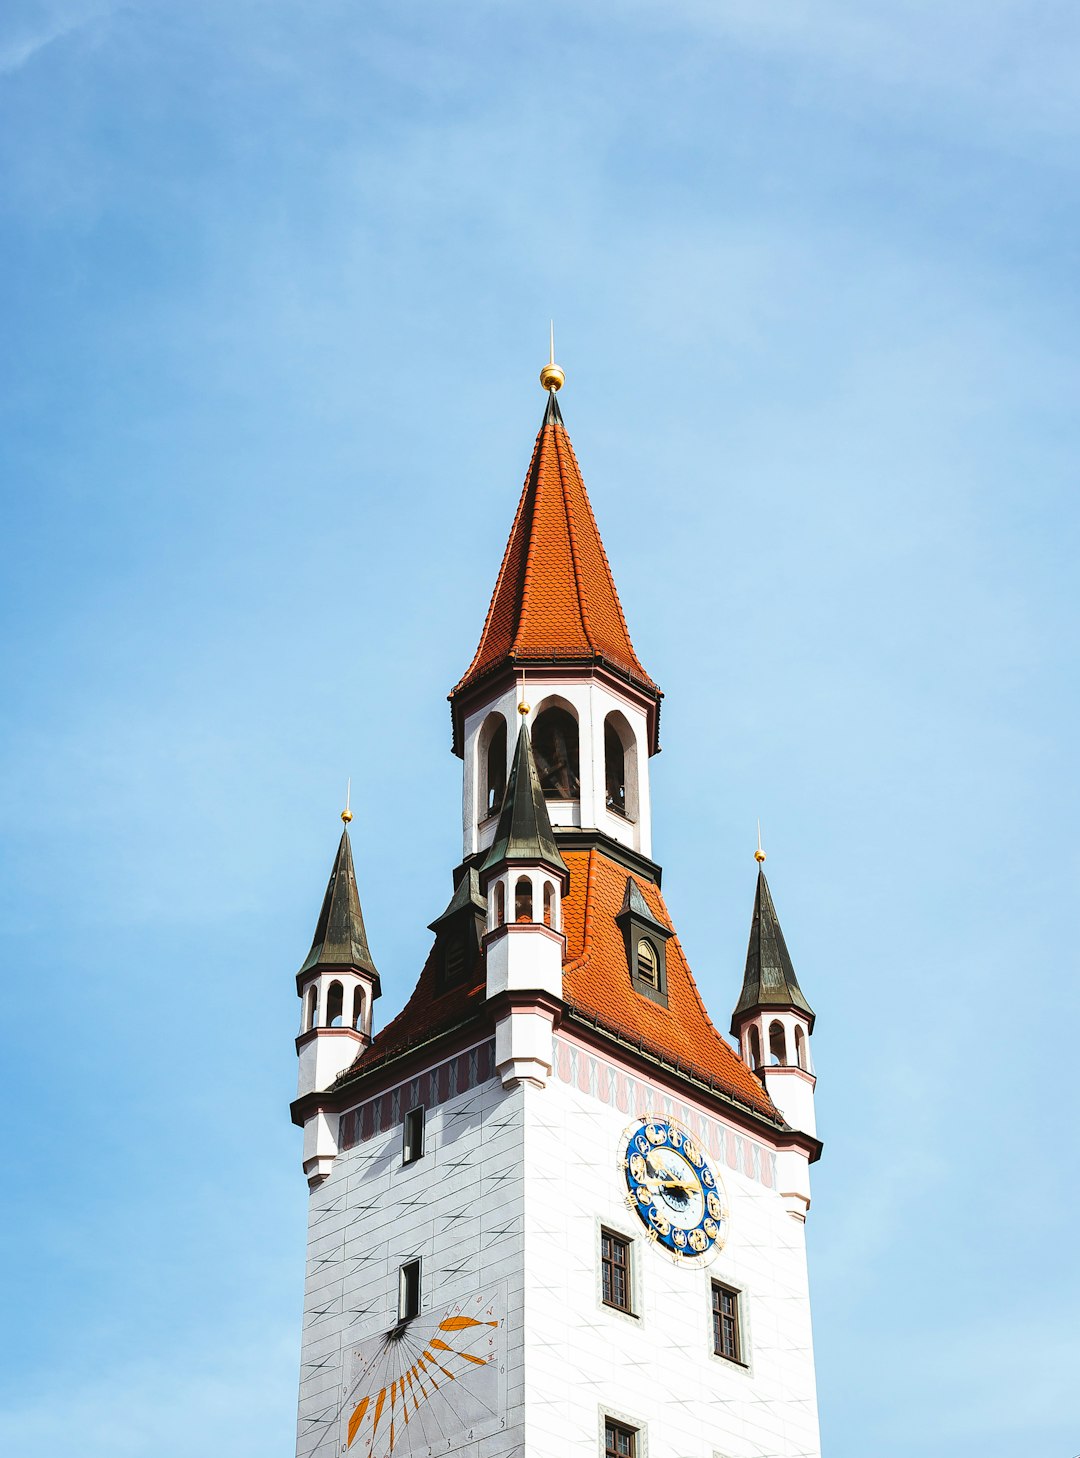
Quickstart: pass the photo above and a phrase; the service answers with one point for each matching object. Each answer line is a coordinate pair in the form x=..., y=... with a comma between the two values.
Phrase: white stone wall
x=509, y=1198
x=460, y=1209
x=657, y=1370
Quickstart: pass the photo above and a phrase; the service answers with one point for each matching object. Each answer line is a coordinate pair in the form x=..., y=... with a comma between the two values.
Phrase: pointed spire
x=340, y=938
x=555, y=600
x=524, y=830
x=769, y=980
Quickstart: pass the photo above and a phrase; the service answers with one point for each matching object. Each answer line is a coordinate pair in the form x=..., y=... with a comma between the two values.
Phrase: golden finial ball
x=346, y=815
x=523, y=709
x=759, y=856
x=552, y=377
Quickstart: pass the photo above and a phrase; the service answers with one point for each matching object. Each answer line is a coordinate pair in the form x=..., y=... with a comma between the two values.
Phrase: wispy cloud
x=19, y=50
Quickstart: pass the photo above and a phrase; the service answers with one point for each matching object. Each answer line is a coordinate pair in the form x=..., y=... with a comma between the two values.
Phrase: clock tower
x=552, y=1210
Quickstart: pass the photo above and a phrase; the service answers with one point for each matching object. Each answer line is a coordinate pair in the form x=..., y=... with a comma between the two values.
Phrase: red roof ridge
x=575, y=556
x=582, y=959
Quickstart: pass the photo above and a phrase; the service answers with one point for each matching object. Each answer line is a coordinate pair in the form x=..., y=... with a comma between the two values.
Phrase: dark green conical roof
x=769, y=980
x=524, y=830
x=340, y=939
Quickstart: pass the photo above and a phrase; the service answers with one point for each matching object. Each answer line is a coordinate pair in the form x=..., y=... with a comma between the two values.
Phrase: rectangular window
x=409, y=1291
x=412, y=1135
x=615, y=1270
x=619, y=1440
x=727, y=1336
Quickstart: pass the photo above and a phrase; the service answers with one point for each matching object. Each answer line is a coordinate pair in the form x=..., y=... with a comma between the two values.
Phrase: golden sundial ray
x=397, y=1375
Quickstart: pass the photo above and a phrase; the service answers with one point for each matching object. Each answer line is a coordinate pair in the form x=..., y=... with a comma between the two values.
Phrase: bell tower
x=550, y=1205
x=555, y=631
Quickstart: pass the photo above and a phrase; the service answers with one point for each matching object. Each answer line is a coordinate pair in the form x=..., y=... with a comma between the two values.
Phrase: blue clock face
x=674, y=1190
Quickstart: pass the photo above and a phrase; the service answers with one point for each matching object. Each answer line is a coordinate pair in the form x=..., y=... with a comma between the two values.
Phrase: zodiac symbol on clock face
x=661, y=1223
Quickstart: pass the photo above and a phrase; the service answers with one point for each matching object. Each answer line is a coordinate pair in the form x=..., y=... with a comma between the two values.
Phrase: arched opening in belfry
x=500, y=904
x=555, y=750
x=335, y=1000
x=620, y=766
x=311, y=1008
x=493, y=745
x=358, y=1009
x=549, y=904
x=777, y=1045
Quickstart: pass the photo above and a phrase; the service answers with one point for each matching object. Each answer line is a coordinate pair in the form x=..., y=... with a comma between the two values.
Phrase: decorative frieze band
x=580, y=1068
x=434, y=1086
x=592, y=1074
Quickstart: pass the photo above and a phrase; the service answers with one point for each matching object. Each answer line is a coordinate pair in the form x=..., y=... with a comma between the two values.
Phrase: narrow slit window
x=335, y=1001
x=549, y=904
x=755, y=1049
x=523, y=907
x=409, y=1291
x=727, y=1333
x=800, y=1050
x=615, y=1270
x=412, y=1136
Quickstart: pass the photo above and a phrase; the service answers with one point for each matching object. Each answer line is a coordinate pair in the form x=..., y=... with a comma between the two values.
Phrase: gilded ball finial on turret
x=346, y=814
x=551, y=376
x=759, y=854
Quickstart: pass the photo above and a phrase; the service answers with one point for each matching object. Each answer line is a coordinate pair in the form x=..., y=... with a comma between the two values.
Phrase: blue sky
x=276, y=283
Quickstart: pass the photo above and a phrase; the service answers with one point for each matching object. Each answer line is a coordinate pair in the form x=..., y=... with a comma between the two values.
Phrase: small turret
x=772, y=1018
x=338, y=982
x=524, y=879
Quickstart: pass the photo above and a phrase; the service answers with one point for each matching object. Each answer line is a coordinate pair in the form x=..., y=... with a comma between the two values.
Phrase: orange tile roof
x=596, y=984
x=596, y=981
x=555, y=597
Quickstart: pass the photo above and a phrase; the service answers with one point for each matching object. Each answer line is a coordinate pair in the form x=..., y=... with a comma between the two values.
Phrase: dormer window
x=455, y=957
x=648, y=970
x=646, y=945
